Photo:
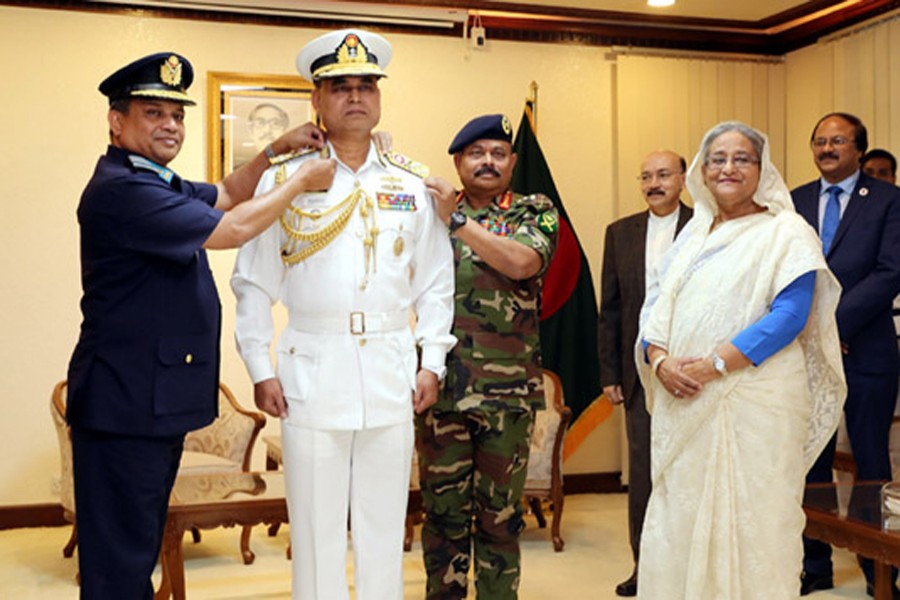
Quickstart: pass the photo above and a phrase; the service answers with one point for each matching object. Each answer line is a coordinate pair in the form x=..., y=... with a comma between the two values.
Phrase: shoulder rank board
x=407, y=164
x=139, y=162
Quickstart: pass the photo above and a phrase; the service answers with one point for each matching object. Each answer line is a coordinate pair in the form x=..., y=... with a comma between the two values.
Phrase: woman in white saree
x=744, y=380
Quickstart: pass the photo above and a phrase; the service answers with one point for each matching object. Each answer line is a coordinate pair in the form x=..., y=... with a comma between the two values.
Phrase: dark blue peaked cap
x=162, y=76
x=486, y=127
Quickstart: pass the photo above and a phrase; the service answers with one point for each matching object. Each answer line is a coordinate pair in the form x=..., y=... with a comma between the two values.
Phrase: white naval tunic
x=348, y=435
x=338, y=380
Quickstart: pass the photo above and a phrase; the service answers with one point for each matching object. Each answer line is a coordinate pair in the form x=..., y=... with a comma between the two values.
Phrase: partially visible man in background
x=632, y=252
x=880, y=164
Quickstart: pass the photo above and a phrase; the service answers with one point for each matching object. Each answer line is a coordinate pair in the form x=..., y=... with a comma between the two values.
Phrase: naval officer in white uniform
x=351, y=264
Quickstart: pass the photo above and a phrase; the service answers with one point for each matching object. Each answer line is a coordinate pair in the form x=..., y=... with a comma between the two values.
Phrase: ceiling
x=763, y=27
x=721, y=9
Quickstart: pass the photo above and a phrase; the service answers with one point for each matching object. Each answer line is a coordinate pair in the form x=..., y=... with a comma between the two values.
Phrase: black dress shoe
x=811, y=582
x=628, y=587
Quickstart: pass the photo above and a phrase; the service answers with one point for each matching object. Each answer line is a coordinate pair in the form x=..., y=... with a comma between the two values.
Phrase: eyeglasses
x=836, y=141
x=717, y=162
x=663, y=176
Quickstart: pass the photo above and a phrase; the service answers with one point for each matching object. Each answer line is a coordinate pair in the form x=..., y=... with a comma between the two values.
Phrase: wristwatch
x=719, y=364
x=457, y=220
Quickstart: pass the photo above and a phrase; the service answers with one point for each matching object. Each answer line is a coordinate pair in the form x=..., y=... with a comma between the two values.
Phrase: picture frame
x=247, y=111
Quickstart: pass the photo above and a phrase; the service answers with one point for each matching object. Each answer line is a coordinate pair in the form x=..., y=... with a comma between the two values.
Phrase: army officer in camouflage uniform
x=473, y=443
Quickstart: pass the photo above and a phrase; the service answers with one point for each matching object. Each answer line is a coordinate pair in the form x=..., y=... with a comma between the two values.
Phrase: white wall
x=670, y=103
x=598, y=116
x=54, y=128
x=858, y=73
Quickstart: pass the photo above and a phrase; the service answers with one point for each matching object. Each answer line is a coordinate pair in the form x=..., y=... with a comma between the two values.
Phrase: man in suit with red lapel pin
x=858, y=219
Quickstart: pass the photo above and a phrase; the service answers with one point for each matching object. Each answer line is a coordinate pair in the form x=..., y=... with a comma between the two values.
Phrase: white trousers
x=327, y=472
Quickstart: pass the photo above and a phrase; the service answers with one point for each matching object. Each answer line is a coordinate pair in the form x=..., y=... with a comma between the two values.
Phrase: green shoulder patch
x=548, y=223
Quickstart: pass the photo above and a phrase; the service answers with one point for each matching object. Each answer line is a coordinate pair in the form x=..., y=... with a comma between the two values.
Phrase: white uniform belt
x=355, y=323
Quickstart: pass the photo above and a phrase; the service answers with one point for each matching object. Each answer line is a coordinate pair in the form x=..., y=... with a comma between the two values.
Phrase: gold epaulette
x=283, y=158
x=407, y=164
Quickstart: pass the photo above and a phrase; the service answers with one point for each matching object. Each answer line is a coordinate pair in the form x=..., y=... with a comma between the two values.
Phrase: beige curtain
x=669, y=103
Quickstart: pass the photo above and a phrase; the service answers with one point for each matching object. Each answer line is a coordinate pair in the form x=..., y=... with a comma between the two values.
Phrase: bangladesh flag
x=569, y=305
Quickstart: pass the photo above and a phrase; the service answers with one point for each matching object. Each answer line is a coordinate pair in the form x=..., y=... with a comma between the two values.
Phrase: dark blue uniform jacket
x=147, y=359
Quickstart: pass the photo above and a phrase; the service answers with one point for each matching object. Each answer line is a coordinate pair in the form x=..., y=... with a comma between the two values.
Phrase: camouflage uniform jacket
x=498, y=357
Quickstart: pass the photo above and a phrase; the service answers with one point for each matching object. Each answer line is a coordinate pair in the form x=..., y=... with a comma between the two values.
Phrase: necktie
x=832, y=217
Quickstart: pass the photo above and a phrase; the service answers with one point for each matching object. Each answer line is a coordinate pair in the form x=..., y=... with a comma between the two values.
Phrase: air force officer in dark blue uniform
x=146, y=367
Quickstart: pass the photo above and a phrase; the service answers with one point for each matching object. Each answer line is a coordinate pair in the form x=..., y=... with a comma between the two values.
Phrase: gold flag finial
x=531, y=106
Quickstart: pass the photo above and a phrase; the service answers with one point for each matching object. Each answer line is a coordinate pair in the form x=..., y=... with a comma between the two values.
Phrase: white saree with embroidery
x=725, y=516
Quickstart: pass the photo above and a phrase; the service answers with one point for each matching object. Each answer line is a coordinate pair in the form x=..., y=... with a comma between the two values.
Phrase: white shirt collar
x=664, y=220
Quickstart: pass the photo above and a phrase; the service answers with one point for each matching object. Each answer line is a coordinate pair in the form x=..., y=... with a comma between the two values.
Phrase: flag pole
x=568, y=326
x=532, y=104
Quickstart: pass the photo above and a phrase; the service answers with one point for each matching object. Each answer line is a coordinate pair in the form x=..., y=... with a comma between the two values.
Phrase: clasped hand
x=684, y=377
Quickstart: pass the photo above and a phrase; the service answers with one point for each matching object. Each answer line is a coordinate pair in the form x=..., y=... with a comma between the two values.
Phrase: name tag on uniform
x=314, y=202
x=396, y=201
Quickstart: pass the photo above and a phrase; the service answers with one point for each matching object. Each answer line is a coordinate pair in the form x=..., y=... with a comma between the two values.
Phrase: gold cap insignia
x=163, y=75
x=170, y=71
x=344, y=53
x=352, y=51
x=507, y=126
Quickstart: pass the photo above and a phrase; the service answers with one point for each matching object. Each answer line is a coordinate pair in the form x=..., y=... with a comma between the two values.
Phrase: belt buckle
x=357, y=323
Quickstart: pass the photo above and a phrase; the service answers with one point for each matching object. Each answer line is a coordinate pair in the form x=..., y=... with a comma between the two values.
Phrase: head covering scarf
x=771, y=193
x=819, y=338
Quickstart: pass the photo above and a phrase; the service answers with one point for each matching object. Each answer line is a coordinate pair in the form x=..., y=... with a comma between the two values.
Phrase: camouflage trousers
x=472, y=466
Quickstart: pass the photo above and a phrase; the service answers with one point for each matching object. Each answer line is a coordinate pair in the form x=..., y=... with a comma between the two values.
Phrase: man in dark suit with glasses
x=858, y=220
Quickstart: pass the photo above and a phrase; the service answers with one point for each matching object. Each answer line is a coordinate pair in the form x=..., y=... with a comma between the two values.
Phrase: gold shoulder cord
x=301, y=245
x=367, y=212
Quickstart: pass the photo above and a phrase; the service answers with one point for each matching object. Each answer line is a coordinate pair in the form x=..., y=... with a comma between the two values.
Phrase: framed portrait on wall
x=247, y=112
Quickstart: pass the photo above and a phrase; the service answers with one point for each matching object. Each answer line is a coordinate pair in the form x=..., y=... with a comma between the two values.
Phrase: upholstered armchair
x=222, y=446
x=66, y=484
x=226, y=444
x=544, y=479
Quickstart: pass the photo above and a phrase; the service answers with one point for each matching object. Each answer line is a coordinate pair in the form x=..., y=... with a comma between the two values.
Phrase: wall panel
x=688, y=97
x=600, y=113
x=54, y=128
x=856, y=72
